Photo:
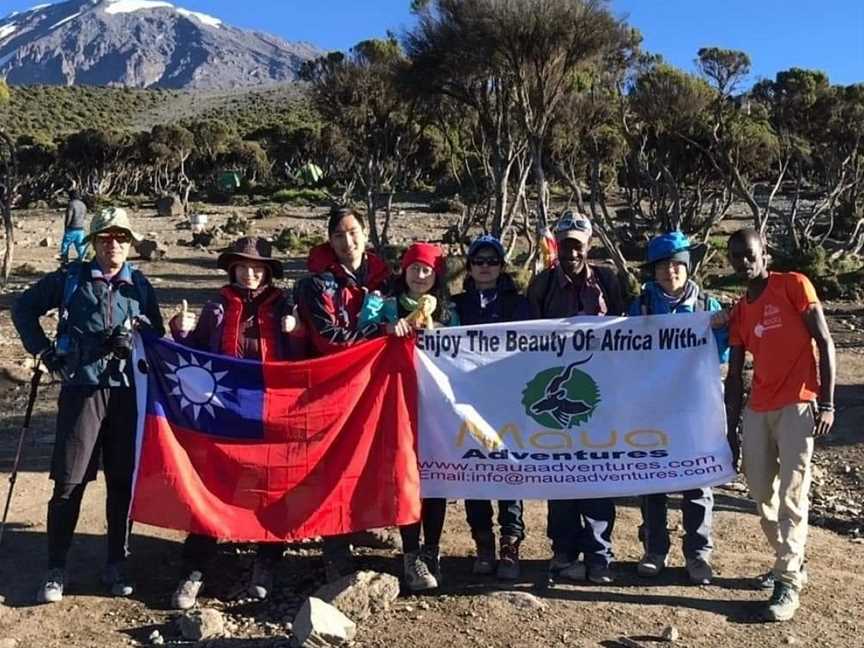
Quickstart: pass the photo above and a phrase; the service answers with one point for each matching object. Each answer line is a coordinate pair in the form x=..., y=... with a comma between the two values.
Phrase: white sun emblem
x=197, y=385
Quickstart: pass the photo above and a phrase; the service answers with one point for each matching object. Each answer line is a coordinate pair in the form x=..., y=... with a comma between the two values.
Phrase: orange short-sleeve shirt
x=773, y=330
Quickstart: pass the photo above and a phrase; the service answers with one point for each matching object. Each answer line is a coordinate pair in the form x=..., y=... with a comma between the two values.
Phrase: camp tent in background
x=310, y=174
x=229, y=181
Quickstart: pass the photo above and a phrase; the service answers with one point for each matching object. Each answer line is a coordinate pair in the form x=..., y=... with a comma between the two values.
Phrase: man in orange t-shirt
x=778, y=321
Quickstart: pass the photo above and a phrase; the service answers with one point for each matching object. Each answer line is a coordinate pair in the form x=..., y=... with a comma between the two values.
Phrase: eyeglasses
x=486, y=261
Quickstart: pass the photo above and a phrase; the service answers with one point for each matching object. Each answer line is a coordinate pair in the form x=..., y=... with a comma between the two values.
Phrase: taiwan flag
x=249, y=452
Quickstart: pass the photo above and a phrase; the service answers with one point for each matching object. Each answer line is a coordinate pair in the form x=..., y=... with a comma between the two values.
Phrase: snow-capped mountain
x=140, y=43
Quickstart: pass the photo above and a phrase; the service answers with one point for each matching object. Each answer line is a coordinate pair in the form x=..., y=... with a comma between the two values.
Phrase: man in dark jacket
x=73, y=228
x=99, y=301
x=574, y=287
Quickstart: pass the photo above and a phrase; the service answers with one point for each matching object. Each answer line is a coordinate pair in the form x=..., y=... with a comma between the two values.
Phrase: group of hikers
x=351, y=295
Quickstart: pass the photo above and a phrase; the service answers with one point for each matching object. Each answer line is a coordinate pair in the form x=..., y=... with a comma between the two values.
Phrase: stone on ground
x=521, y=600
x=169, y=206
x=361, y=594
x=204, y=623
x=319, y=625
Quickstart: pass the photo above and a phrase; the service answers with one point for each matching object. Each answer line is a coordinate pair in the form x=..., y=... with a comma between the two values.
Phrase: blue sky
x=778, y=34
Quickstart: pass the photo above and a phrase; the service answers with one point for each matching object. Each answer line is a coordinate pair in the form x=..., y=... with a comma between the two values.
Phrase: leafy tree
x=359, y=95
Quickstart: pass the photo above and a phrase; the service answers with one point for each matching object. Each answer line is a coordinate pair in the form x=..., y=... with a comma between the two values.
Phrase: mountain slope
x=141, y=44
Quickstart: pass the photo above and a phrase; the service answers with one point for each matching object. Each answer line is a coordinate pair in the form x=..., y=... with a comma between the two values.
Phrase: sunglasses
x=569, y=221
x=486, y=261
x=120, y=237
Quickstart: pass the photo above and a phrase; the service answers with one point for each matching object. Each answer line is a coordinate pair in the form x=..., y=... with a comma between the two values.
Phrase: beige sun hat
x=112, y=218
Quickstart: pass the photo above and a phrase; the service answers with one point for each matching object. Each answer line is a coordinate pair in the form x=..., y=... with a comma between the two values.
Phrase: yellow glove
x=422, y=315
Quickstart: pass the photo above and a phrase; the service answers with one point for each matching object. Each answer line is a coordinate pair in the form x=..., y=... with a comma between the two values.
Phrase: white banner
x=573, y=408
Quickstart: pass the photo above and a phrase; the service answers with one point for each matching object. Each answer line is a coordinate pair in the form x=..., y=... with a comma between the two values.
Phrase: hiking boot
x=261, y=583
x=431, y=555
x=699, y=571
x=561, y=566
x=508, y=558
x=51, y=590
x=417, y=574
x=766, y=581
x=484, y=563
x=600, y=574
x=115, y=578
x=782, y=604
x=651, y=565
x=186, y=594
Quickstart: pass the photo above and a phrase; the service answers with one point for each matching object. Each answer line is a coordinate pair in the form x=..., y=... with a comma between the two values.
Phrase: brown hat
x=250, y=248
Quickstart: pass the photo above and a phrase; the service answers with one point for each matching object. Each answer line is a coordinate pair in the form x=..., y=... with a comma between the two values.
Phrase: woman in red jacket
x=250, y=319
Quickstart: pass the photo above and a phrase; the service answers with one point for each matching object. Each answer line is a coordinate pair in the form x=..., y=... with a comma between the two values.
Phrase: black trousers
x=432, y=516
x=92, y=422
x=479, y=515
x=200, y=550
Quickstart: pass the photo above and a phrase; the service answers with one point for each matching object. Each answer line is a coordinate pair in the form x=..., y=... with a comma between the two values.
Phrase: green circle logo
x=561, y=397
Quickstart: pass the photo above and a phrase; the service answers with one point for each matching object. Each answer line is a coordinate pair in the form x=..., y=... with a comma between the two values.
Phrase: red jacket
x=330, y=300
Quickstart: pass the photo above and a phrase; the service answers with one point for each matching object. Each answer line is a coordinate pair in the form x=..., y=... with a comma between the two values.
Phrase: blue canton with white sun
x=204, y=392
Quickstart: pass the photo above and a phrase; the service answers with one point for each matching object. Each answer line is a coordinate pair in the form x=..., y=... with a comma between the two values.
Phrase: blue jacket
x=94, y=310
x=645, y=305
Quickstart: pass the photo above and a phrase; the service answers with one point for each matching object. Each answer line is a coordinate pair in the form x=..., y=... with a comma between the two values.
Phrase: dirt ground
x=462, y=613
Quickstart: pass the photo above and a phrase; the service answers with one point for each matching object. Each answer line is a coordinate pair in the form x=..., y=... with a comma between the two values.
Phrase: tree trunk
x=7, y=175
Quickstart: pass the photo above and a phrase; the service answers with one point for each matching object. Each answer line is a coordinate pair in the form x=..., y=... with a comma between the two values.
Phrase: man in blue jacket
x=669, y=264
x=99, y=301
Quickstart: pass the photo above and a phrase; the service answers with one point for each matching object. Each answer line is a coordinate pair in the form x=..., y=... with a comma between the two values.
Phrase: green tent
x=310, y=173
x=229, y=181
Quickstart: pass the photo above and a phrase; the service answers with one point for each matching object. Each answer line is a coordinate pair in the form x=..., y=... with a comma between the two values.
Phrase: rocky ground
x=466, y=611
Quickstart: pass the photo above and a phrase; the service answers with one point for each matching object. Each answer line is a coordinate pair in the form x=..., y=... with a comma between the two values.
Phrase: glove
x=52, y=362
x=370, y=312
x=422, y=316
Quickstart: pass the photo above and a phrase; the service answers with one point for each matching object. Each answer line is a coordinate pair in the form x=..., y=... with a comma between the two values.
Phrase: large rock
x=319, y=624
x=169, y=206
x=361, y=594
x=151, y=250
x=204, y=623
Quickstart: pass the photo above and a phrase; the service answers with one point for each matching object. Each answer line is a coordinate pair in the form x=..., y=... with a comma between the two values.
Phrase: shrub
x=301, y=196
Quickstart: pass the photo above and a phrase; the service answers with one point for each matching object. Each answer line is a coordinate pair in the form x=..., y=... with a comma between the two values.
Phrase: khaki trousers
x=776, y=450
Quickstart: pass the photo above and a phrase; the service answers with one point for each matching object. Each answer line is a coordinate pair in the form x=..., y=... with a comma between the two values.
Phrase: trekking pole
x=34, y=388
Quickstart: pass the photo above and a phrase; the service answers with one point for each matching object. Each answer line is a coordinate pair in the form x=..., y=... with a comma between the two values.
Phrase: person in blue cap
x=669, y=265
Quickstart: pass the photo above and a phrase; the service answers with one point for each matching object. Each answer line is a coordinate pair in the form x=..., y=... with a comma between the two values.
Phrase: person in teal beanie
x=670, y=261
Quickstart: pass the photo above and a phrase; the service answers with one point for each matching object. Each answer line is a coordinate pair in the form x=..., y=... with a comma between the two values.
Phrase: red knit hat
x=426, y=253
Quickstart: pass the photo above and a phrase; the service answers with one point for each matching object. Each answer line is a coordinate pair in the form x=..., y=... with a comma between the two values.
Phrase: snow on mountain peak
x=128, y=6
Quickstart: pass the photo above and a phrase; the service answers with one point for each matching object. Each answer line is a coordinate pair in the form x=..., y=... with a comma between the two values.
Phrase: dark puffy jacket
x=95, y=309
x=502, y=304
x=330, y=300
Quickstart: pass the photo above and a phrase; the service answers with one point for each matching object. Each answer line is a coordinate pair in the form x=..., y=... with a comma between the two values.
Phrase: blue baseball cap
x=674, y=246
x=486, y=240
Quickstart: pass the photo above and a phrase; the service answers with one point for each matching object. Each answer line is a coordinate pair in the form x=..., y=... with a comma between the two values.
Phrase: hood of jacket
x=322, y=258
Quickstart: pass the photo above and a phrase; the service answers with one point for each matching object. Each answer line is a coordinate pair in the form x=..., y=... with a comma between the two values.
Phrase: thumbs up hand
x=184, y=321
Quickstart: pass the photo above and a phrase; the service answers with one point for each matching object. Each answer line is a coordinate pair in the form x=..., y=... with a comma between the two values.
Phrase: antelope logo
x=561, y=397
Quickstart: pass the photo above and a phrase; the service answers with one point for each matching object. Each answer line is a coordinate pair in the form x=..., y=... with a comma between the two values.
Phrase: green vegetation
x=44, y=112
x=301, y=196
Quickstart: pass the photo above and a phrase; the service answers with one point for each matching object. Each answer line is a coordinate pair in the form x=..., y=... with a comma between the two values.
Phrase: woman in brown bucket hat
x=250, y=319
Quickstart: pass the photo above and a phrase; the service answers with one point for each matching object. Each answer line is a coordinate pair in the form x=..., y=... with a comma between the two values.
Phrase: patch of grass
x=296, y=242
x=303, y=196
